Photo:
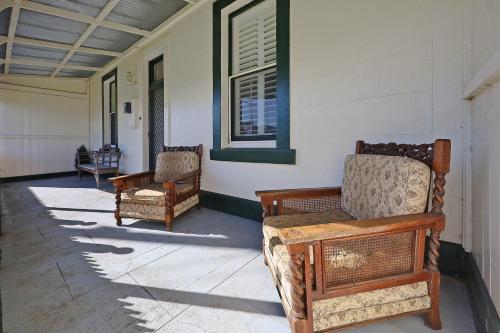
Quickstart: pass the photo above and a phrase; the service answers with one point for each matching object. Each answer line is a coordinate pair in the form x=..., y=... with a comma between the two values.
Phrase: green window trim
x=282, y=154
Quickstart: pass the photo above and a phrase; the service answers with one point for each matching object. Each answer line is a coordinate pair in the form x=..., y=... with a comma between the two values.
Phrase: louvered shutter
x=254, y=73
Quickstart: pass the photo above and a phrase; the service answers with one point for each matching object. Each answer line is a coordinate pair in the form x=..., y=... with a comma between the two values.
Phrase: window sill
x=254, y=155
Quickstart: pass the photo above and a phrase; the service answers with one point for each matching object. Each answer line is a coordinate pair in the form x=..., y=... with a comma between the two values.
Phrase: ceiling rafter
x=45, y=9
x=41, y=63
x=102, y=15
x=61, y=46
x=14, y=16
x=93, y=22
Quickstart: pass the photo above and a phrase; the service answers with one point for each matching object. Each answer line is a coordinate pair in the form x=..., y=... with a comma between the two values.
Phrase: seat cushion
x=382, y=186
x=152, y=194
x=344, y=310
x=175, y=163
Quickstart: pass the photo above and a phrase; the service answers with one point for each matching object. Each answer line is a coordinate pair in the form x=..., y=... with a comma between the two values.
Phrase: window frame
x=282, y=154
x=104, y=78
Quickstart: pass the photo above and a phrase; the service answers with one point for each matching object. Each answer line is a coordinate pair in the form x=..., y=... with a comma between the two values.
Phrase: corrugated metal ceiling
x=4, y=21
x=109, y=39
x=145, y=15
x=85, y=59
x=87, y=7
x=47, y=27
x=132, y=12
x=30, y=70
x=37, y=53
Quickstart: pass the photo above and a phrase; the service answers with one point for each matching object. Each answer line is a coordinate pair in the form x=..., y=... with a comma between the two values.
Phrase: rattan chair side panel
x=303, y=205
x=347, y=262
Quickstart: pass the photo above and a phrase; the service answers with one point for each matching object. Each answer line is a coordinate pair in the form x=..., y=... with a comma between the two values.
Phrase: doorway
x=156, y=110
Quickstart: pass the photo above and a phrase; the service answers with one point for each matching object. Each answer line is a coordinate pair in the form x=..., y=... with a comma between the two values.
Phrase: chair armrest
x=339, y=230
x=299, y=201
x=299, y=192
x=134, y=180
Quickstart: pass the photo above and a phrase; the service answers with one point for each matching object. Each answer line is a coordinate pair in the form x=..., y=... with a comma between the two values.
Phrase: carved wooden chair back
x=196, y=149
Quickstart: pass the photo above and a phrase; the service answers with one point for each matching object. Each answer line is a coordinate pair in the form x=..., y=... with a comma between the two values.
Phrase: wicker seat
x=354, y=255
x=165, y=193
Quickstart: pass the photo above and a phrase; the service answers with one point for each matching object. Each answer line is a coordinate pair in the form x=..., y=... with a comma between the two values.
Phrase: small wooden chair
x=165, y=193
x=354, y=255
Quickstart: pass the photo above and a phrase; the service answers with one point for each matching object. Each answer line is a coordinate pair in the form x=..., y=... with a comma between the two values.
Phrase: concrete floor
x=67, y=268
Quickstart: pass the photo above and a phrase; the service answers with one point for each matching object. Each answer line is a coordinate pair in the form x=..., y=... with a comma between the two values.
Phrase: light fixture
x=130, y=78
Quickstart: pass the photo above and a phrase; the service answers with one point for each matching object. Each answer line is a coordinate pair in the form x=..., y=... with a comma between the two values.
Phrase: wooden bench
x=101, y=162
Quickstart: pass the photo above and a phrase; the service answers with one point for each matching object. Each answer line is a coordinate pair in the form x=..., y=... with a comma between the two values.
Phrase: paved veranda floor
x=67, y=268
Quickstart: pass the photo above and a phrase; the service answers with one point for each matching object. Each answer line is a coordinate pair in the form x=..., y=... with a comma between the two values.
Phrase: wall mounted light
x=130, y=78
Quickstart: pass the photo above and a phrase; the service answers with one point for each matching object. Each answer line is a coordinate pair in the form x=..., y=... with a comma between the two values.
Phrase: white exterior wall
x=42, y=123
x=357, y=72
x=486, y=150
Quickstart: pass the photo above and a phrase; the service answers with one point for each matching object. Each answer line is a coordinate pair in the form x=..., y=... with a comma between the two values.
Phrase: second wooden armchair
x=165, y=193
x=349, y=256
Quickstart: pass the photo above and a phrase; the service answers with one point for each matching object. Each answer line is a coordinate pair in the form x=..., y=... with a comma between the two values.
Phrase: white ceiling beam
x=102, y=15
x=193, y=2
x=4, y=5
x=41, y=63
x=45, y=9
x=14, y=16
x=61, y=46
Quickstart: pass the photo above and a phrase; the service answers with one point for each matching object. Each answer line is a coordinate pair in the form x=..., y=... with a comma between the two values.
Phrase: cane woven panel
x=352, y=261
x=310, y=205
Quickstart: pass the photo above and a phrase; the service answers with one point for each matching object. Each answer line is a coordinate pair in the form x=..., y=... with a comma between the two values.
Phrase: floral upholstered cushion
x=146, y=211
x=382, y=186
x=345, y=310
x=152, y=194
x=175, y=163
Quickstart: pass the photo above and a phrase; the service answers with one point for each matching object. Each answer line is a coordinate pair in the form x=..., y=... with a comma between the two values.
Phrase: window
x=110, y=109
x=253, y=72
x=251, y=81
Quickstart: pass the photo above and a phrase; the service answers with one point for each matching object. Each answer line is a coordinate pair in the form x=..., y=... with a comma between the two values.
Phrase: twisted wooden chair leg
x=296, y=265
x=433, y=318
x=118, y=200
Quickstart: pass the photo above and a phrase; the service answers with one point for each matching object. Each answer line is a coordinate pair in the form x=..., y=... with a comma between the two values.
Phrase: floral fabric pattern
x=152, y=194
x=382, y=310
x=175, y=163
x=141, y=210
x=383, y=186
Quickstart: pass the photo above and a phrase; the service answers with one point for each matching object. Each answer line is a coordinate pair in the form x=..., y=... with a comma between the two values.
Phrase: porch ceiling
x=75, y=38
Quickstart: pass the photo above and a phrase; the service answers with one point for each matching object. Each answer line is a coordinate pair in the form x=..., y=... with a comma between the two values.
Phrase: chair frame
x=103, y=160
x=128, y=182
x=308, y=281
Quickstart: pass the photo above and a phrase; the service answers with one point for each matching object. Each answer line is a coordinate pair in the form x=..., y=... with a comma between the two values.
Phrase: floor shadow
x=80, y=210
x=208, y=233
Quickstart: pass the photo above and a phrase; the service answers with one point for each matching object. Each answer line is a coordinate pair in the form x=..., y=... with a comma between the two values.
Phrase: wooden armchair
x=350, y=256
x=165, y=193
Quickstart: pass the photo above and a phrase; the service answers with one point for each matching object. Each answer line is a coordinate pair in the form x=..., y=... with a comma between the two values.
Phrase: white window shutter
x=254, y=71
